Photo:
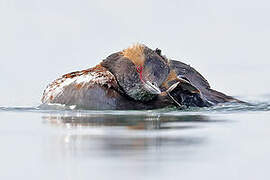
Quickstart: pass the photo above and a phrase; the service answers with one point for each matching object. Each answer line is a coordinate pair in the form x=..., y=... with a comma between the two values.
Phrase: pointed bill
x=151, y=88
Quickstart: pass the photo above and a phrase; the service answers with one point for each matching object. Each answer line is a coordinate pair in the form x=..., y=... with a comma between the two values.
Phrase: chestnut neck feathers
x=172, y=76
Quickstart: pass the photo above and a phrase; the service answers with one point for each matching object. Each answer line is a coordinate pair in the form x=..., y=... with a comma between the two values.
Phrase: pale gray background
x=227, y=41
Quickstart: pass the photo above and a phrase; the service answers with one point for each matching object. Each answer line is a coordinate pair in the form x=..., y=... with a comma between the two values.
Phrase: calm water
x=229, y=141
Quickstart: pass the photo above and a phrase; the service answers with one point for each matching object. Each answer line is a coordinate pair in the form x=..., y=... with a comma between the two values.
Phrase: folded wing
x=196, y=79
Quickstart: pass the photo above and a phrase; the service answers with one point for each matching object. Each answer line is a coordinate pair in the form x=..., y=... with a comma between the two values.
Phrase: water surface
x=229, y=141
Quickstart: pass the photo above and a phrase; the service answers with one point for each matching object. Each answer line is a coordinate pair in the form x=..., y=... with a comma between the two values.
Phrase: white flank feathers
x=56, y=88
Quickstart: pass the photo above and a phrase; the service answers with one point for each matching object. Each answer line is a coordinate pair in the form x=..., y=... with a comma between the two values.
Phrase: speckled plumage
x=116, y=84
x=80, y=81
x=113, y=84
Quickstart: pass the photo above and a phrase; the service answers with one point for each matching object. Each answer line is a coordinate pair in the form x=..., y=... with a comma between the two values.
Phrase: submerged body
x=136, y=78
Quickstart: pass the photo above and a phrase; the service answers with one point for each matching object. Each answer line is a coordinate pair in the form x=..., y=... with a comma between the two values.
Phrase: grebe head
x=139, y=70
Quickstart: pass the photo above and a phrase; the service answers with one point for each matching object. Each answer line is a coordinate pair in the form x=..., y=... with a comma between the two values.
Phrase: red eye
x=139, y=70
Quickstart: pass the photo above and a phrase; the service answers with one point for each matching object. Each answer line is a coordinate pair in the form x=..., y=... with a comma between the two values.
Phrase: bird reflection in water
x=137, y=122
x=108, y=134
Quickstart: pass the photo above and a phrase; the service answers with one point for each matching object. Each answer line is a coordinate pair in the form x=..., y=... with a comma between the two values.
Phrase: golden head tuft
x=135, y=53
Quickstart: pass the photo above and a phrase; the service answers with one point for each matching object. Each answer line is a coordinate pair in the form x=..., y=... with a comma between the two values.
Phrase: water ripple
x=251, y=106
